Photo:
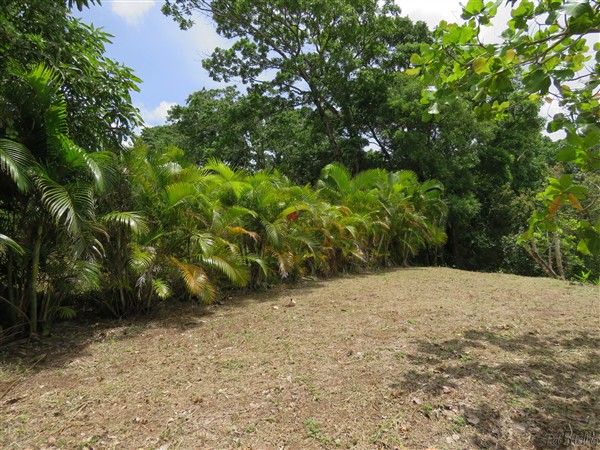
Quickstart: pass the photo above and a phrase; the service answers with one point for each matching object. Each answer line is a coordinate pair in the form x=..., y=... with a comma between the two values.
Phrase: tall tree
x=251, y=131
x=548, y=43
x=311, y=53
x=48, y=204
x=96, y=89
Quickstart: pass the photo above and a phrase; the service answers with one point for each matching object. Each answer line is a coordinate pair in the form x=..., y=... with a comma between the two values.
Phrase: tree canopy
x=97, y=90
x=547, y=52
x=322, y=54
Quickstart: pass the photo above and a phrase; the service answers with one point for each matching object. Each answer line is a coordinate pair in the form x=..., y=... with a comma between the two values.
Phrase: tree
x=96, y=89
x=546, y=46
x=48, y=205
x=61, y=103
x=319, y=53
x=251, y=132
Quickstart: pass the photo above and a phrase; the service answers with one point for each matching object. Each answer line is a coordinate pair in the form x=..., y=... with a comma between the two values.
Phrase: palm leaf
x=285, y=260
x=219, y=167
x=44, y=81
x=65, y=205
x=161, y=288
x=141, y=259
x=336, y=178
x=196, y=280
x=238, y=231
x=234, y=269
x=55, y=121
x=272, y=231
x=367, y=179
x=180, y=192
x=172, y=168
x=15, y=160
x=134, y=221
x=100, y=165
x=86, y=275
x=65, y=312
x=260, y=261
x=203, y=241
x=7, y=243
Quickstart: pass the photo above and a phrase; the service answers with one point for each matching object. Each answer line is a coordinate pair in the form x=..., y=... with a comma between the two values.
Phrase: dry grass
x=412, y=358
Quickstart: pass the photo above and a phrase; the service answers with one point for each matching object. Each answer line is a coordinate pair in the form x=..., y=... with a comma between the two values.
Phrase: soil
x=407, y=358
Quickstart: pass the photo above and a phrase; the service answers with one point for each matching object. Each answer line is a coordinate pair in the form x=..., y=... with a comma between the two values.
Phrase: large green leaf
x=16, y=160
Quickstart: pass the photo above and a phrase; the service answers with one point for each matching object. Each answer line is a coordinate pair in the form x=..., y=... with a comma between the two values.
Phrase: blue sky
x=168, y=60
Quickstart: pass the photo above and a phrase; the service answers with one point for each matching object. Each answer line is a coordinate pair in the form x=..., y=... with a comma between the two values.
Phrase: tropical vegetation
x=365, y=149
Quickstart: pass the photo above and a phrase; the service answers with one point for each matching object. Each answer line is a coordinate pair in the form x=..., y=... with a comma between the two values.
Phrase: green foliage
x=251, y=131
x=96, y=89
x=330, y=56
x=61, y=101
x=554, y=60
x=48, y=208
x=215, y=227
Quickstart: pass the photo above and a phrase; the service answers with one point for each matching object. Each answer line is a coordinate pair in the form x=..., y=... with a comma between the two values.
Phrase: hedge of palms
x=128, y=229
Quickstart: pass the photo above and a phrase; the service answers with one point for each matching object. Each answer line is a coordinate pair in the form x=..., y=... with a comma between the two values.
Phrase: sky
x=169, y=60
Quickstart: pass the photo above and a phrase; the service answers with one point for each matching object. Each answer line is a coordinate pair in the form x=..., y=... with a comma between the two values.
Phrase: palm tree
x=51, y=191
x=189, y=240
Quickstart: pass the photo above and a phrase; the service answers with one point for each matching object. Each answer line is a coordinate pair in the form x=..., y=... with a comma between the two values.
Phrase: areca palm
x=414, y=214
x=51, y=191
x=189, y=241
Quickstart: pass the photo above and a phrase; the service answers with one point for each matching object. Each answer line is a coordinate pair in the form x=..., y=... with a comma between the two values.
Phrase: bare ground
x=408, y=358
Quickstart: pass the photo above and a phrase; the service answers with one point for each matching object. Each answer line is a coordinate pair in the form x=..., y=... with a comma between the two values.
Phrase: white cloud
x=433, y=11
x=132, y=10
x=158, y=115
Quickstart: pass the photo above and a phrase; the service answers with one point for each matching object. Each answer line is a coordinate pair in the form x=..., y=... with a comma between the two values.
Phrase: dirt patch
x=411, y=358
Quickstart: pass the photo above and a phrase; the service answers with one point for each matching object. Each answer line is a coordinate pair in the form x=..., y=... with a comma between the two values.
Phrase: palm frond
x=161, y=288
x=196, y=280
x=87, y=275
x=68, y=206
x=273, y=233
x=65, y=313
x=134, y=221
x=7, y=243
x=44, y=81
x=336, y=178
x=55, y=121
x=285, y=260
x=219, y=167
x=203, y=241
x=172, y=168
x=260, y=261
x=238, y=231
x=367, y=179
x=180, y=192
x=141, y=259
x=233, y=268
x=15, y=160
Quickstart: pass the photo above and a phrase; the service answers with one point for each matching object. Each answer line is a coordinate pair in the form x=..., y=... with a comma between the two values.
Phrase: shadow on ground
x=552, y=384
x=69, y=340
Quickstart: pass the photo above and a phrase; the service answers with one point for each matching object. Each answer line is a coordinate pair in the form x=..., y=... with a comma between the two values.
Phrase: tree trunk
x=12, y=313
x=455, y=249
x=558, y=255
x=35, y=270
x=532, y=250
